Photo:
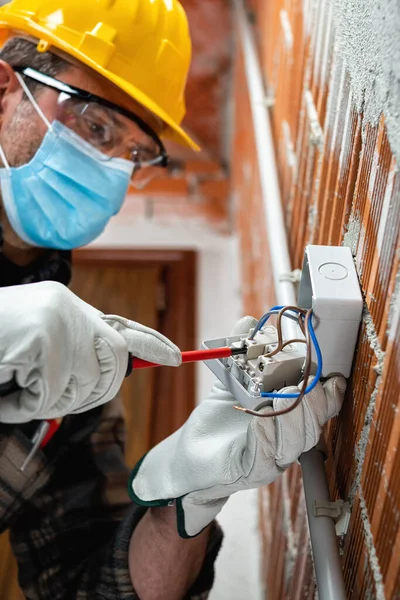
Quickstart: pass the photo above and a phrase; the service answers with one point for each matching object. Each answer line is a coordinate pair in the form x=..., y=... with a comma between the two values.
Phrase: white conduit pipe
x=324, y=543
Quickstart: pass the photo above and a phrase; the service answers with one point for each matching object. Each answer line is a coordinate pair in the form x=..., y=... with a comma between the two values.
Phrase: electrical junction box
x=329, y=285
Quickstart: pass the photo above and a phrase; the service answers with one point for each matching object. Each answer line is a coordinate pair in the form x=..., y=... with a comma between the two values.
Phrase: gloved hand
x=66, y=355
x=220, y=450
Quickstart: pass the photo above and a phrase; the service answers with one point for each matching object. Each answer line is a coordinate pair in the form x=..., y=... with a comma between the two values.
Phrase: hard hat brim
x=174, y=132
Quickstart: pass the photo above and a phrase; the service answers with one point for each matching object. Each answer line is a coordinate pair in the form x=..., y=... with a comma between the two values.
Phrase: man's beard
x=20, y=140
x=21, y=137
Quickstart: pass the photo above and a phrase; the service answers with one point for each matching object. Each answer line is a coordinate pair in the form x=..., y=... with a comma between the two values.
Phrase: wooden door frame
x=178, y=323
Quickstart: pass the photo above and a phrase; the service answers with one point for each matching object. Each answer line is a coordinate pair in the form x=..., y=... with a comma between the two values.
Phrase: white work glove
x=220, y=451
x=66, y=355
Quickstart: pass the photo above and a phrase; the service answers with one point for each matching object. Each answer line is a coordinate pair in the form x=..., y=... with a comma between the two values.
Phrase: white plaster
x=308, y=15
x=316, y=134
x=328, y=40
x=291, y=158
x=394, y=314
x=287, y=31
x=362, y=250
x=318, y=37
x=364, y=438
x=374, y=172
x=126, y=230
x=336, y=92
x=385, y=207
x=238, y=566
x=369, y=41
x=363, y=441
x=346, y=146
x=316, y=140
x=352, y=235
x=373, y=339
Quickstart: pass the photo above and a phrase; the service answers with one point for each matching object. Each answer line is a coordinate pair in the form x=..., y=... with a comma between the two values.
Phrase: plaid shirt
x=69, y=514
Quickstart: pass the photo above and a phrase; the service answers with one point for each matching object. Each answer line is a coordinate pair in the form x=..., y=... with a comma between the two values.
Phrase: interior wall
x=331, y=86
x=219, y=305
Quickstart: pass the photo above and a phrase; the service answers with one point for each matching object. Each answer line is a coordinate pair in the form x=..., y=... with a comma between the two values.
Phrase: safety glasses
x=111, y=129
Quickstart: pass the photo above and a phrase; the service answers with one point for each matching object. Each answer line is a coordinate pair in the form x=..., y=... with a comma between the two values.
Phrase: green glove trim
x=180, y=513
x=180, y=520
x=136, y=499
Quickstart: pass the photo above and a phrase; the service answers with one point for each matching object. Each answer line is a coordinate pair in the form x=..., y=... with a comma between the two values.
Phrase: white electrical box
x=329, y=285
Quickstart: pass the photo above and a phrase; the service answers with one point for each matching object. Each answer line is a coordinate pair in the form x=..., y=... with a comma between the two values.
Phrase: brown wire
x=281, y=344
x=301, y=323
x=292, y=342
x=307, y=372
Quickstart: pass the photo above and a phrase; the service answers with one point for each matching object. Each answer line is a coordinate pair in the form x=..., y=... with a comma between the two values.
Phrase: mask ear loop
x=35, y=105
x=4, y=159
x=33, y=101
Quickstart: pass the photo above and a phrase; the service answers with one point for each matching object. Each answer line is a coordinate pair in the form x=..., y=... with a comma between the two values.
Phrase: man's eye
x=95, y=128
x=98, y=133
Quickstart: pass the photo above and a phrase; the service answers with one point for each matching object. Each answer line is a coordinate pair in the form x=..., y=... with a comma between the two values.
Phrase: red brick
x=203, y=167
x=163, y=187
x=211, y=26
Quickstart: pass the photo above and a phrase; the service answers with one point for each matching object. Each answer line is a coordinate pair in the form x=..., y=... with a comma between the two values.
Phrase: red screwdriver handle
x=187, y=357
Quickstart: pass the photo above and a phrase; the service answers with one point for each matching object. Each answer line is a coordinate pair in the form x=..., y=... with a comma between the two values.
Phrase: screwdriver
x=191, y=356
x=48, y=428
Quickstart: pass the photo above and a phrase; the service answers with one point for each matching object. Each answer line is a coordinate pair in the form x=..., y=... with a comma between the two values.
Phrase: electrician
x=88, y=91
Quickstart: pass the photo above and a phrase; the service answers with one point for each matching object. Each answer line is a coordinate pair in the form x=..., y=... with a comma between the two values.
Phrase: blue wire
x=317, y=351
x=265, y=318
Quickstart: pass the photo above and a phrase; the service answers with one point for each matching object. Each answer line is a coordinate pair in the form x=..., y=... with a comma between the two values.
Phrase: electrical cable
x=301, y=324
x=300, y=396
x=275, y=311
x=304, y=318
x=299, y=312
x=281, y=344
x=309, y=330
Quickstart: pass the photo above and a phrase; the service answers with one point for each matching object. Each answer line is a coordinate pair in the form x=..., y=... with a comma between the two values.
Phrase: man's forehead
x=85, y=78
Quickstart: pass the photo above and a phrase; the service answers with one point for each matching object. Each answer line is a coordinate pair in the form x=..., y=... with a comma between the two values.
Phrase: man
x=87, y=90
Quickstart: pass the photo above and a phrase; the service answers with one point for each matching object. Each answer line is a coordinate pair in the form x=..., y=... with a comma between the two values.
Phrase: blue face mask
x=65, y=196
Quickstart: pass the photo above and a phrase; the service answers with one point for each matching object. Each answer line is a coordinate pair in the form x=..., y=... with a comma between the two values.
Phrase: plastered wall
x=331, y=72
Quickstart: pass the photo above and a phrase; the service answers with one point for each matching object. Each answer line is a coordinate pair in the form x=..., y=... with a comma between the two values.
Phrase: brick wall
x=197, y=192
x=336, y=140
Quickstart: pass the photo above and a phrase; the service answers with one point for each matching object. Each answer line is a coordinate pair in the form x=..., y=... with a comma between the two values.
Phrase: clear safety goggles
x=111, y=129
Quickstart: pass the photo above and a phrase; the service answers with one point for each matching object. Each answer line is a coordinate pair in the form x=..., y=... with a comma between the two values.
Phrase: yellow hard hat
x=142, y=46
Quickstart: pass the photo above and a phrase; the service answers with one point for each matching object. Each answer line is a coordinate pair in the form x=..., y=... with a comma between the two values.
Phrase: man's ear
x=9, y=87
